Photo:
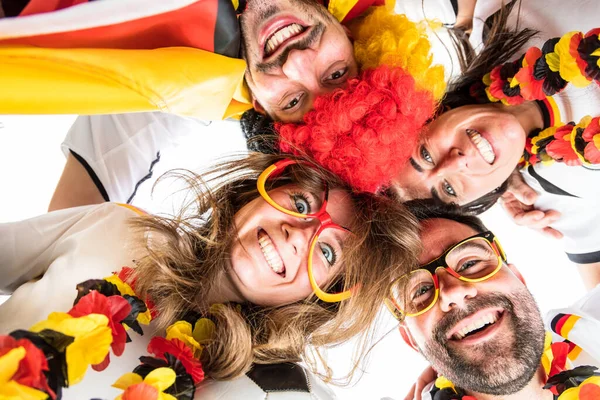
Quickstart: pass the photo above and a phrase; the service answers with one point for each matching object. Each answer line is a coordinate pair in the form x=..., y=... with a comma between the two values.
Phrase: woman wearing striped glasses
x=292, y=255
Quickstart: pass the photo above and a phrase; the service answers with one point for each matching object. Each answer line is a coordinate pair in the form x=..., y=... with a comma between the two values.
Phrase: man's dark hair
x=259, y=130
x=425, y=209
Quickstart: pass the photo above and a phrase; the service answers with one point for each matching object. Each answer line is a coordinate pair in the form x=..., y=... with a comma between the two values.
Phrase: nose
x=298, y=235
x=454, y=292
x=300, y=67
x=456, y=160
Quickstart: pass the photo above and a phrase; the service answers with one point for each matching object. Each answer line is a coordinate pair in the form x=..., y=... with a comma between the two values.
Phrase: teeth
x=270, y=253
x=484, y=320
x=485, y=148
x=281, y=36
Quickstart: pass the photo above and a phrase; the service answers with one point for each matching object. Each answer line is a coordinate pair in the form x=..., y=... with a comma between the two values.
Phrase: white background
x=31, y=162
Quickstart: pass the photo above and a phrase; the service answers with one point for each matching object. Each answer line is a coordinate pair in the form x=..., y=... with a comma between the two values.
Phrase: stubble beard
x=503, y=366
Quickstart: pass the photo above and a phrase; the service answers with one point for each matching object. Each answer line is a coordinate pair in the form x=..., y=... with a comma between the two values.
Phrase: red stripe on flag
x=561, y=323
x=44, y=6
x=360, y=7
x=190, y=26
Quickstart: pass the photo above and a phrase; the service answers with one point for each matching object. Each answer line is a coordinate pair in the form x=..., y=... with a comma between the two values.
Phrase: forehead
x=437, y=235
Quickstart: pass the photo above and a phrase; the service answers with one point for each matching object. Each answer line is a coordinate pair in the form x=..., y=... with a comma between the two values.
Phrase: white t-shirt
x=129, y=152
x=43, y=259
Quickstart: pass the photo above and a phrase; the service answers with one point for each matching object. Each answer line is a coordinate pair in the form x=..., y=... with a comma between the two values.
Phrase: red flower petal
x=115, y=308
x=592, y=153
x=31, y=368
x=591, y=130
x=159, y=346
x=589, y=391
x=140, y=391
x=102, y=366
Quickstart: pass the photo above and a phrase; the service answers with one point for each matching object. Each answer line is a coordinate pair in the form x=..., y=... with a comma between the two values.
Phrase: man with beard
x=469, y=313
x=294, y=50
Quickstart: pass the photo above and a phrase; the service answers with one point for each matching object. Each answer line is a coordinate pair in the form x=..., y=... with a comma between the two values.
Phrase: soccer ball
x=285, y=381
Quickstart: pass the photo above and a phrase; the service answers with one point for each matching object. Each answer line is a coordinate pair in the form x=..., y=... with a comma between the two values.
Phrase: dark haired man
x=294, y=50
x=471, y=316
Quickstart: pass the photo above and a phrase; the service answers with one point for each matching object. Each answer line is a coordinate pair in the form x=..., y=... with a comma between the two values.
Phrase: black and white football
x=286, y=381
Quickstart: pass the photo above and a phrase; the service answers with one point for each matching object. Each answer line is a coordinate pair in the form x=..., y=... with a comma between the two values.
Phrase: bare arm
x=590, y=273
x=75, y=187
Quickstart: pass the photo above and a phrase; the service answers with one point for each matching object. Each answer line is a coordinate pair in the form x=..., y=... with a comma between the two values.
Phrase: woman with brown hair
x=277, y=255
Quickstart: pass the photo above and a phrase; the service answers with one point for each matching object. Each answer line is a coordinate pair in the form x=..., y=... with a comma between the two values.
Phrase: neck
x=533, y=390
x=529, y=116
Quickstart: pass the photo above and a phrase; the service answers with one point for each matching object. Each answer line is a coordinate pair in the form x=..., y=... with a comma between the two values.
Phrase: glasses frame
x=322, y=216
x=440, y=262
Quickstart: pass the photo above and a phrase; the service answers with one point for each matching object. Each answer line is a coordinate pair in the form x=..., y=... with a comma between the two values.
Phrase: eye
x=329, y=253
x=293, y=103
x=301, y=203
x=426, y=156
x=467, y=264
x=337, y=74
x=448, y=189
x=421, y=291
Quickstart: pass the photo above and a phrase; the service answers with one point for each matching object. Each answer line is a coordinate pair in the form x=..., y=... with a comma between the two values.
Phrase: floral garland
x=544, y=72
x=581, y=383
x=541, y=73
x=36, y=364
x=574, y=144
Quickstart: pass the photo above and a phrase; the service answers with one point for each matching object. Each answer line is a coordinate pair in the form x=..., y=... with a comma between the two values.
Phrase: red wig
x=365, y=132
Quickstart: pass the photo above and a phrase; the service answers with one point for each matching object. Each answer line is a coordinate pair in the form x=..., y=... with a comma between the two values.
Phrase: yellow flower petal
x=126, y=380
x=442, y=383
x=182, y=330
x=86, y=350
x=15, y=391
x=161, y=378
x=166, y=396
x=123, y=287
x=204, y=330
x=570, y=394
x=567, y=65
x=594, y=380
x=9, y=363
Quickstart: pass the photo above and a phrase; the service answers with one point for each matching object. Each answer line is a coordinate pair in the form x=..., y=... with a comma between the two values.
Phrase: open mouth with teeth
x=270, y=253
x=280, y=36
x=478, y=327
x=483, y=145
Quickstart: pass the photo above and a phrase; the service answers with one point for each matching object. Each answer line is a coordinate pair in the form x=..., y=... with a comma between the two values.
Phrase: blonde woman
x=293, y=255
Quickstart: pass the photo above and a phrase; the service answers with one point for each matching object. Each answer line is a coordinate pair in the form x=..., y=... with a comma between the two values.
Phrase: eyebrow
x=415, y=165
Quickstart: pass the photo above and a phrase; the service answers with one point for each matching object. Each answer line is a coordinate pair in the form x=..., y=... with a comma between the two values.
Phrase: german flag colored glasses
x=474, y=259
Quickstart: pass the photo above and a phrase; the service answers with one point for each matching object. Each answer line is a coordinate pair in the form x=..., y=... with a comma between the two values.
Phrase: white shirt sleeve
x=122, y=149
x=42, y=259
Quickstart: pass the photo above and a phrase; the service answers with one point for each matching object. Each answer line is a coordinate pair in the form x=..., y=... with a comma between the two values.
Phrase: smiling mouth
x=282, y=35
x=483, y=146
x=480, y=325
x=270, y=253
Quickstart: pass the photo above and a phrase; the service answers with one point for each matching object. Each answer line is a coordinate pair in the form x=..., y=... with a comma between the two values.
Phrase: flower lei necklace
x=540, y=73
x=36, y=364
x=581, y=383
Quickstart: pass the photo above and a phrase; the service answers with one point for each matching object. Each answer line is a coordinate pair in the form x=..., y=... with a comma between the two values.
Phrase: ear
x=517, y=273
x=407, y=337
x=256, y=105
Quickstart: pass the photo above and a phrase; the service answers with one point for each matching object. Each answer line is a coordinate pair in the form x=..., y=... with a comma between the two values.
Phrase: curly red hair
x=366, y=131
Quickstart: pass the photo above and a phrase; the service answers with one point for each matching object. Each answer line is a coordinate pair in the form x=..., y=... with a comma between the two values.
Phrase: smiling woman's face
x=467, y=152
x=295, y=51
x=270, y=258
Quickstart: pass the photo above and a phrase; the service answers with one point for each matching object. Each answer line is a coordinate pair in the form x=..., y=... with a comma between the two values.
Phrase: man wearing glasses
x=470, y=314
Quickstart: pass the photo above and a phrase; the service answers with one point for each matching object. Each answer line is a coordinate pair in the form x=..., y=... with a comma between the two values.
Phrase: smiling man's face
x=295, y=51
x=486, y=337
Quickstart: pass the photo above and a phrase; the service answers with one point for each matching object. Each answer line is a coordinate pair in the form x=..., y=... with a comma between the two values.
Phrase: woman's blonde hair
x=384, y=38
x=188, y=255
